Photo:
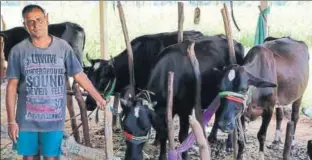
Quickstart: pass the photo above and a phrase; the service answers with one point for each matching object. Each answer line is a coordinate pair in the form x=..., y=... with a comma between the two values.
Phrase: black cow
x=278, y=70
x=145, y=49
x=71, y=32
x=211, y=52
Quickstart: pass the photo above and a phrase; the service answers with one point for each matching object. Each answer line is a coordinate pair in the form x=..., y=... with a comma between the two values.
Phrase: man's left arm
x=82, y=79
x=74, y=69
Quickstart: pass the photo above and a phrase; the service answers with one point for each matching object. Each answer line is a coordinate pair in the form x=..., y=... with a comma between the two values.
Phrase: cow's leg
x=156, y=141
x=163, y=144
x=295, y=116
x=266, y=118
x=213, y=134
x=279, y=118
x=241, y=147
x=229, y=142
x=183, y=133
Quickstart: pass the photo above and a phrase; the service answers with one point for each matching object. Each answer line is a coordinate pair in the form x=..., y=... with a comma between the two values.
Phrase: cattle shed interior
x=105, y=39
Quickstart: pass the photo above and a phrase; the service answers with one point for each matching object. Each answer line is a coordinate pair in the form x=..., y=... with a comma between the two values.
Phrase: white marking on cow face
x=136, y=111
x=231, y=75
x=96, y=65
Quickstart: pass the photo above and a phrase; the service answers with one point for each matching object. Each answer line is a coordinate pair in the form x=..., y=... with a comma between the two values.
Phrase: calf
x=211, y=52
x=278, y=70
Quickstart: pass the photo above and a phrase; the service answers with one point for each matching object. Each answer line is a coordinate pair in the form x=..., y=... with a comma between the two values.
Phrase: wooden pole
x=264, y=5
x=108, y=132
x=169, y=111
x=103, y=29
x=83, y=114
x=71, y=112
x=2, y=57
x=129, y=48
x=228, y=31
x=204, y=148
x=309, y=149
x=3, y=25
x=288, y=141
x=195, y=65
x=180, y=21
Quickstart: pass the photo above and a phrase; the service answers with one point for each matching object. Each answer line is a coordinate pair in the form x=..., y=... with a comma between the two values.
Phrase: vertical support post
x=264, y=5
x=169, y=111
x=228, y=31
x=129, y=48
x=108, y=132
x=71, y=112
x=103, y=29
x=83, y=113
x=288, y=140
x=2, y=57
x=180, y=21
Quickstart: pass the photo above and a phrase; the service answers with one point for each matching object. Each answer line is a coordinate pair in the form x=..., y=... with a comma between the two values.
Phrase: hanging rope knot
x=266, y=11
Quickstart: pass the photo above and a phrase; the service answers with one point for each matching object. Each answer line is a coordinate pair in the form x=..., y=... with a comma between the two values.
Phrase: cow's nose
x=229, y=126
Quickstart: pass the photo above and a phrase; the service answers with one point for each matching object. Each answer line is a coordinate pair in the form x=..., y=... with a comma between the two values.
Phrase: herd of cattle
x=270, y=75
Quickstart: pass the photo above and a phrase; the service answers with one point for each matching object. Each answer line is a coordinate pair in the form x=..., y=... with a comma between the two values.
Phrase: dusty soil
x=303, y=134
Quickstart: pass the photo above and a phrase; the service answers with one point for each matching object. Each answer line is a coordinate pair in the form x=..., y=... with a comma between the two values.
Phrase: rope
x=187, y=143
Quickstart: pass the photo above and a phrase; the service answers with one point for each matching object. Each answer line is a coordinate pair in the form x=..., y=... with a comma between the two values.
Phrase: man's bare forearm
x=11, y=99
x=85, y=83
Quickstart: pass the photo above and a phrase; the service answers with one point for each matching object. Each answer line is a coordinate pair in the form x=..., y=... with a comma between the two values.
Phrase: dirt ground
x=303, y=134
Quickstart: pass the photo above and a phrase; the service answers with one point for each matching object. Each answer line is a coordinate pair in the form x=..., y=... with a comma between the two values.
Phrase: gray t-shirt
x=42, y=72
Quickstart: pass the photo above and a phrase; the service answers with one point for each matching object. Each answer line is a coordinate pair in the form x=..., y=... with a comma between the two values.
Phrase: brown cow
x=279, y=69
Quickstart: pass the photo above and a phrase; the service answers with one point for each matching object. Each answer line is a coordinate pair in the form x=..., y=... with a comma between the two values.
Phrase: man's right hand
x=13, y=131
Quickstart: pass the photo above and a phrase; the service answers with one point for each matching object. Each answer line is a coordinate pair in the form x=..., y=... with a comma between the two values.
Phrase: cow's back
x=210, y=51
x=292, y=68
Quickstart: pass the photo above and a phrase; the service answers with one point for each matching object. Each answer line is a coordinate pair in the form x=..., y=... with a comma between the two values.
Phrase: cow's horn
x=88, y=58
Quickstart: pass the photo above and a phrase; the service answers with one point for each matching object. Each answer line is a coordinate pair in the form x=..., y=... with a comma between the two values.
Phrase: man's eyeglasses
x=37, y=21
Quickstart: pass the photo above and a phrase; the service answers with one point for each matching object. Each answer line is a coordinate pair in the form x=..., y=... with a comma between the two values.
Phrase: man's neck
x=41, y=42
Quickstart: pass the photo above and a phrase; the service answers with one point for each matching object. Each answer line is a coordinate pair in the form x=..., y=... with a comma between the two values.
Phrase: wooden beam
x=264, y=5
x=103, y=29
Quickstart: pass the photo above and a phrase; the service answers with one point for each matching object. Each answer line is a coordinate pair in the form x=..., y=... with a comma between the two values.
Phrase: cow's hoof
x=229, y=146
x=185, y=156
x=229, y=149
x=212, y=139
x=276, y=145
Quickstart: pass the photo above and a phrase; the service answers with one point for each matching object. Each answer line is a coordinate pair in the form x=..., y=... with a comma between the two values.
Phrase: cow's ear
x=259, y=82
